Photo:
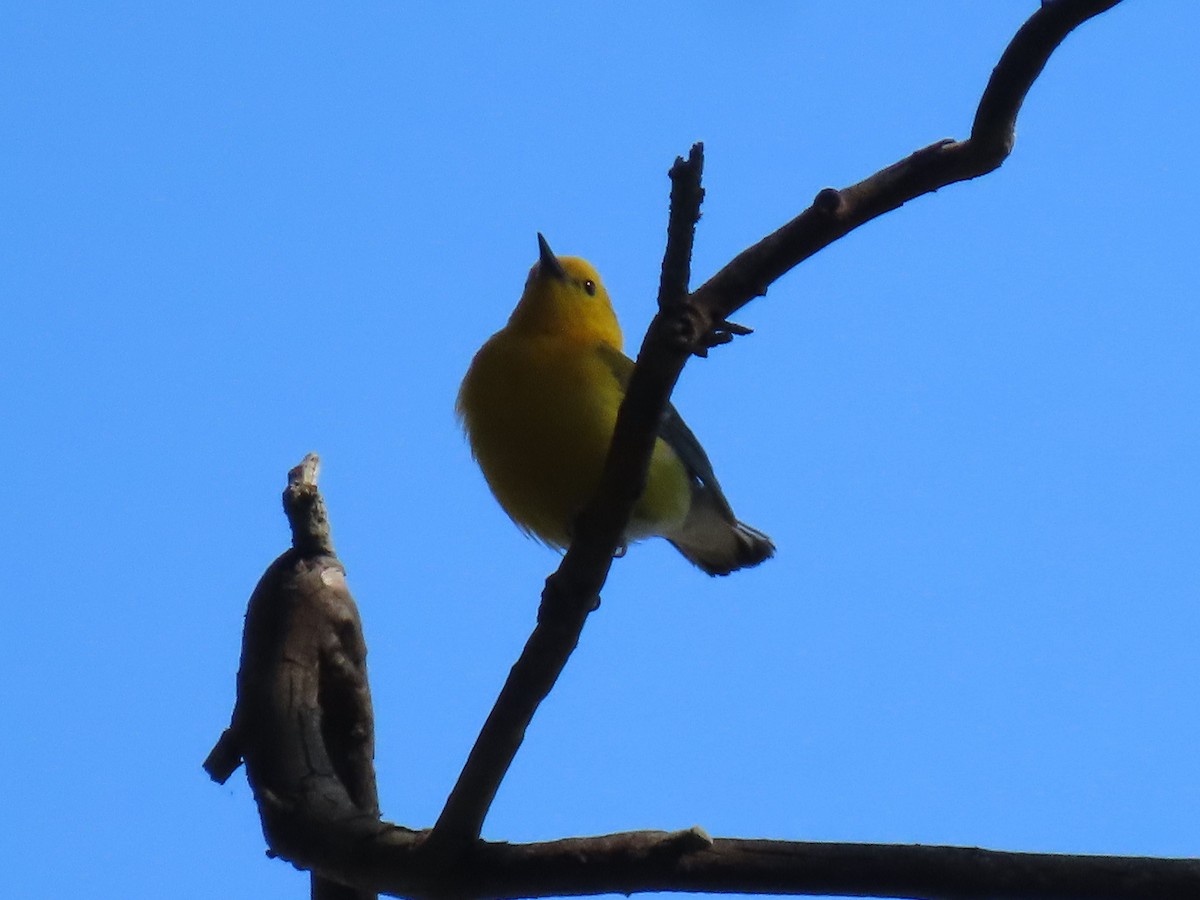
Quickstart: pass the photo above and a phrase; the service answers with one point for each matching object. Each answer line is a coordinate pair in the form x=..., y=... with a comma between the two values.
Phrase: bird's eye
x=590, y=287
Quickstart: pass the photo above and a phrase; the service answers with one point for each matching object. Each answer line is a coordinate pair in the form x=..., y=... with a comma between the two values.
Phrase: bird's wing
x=676, y=434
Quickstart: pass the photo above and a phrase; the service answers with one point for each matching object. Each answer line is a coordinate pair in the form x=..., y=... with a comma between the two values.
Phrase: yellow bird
x=539, y=404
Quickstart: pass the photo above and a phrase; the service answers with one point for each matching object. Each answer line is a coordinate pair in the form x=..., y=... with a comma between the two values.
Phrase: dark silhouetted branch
x=573, y=591
x=396, y=863
x=303, y=724
x=834, y=213
x=688, y=324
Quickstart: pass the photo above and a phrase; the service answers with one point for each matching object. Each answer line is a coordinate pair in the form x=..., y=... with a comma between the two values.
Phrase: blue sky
x=231, y=236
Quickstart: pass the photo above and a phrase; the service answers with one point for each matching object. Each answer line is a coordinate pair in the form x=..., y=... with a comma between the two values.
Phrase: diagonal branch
x=573, y=591
x=834, y=213
x=682, y=327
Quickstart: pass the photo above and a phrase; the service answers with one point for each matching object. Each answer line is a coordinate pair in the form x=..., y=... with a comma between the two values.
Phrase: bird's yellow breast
x=539, y=410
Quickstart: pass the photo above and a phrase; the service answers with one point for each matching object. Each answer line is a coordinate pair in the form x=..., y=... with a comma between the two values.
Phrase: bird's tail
x=715, y=541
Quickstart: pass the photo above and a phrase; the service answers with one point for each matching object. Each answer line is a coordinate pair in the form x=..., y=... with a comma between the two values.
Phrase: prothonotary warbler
x=539, y=404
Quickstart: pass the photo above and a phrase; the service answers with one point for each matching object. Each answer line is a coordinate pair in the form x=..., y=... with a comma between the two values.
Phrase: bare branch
x=682, y=327
x=573, y=591
x=530, y=680
x=303, y=721
x=686, y=197
x=834, y=213
x=394, y=863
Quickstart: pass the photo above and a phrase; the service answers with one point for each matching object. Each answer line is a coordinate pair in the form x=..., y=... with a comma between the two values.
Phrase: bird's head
x=564, y=296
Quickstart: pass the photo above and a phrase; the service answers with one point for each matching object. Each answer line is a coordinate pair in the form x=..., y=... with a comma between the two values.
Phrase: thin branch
x=573, y=591
x=530, y=680
x=686, y=197
x=835, y=213
x=683, y=327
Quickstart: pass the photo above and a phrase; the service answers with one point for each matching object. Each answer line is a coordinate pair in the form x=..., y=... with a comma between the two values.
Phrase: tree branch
x=395, y=863
x=835, y=213
x=684, y=326
x=303, y=721
x=573, y=591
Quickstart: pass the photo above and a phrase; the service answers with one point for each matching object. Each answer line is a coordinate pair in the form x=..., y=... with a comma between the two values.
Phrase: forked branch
x=303, y=726
x=688, y=324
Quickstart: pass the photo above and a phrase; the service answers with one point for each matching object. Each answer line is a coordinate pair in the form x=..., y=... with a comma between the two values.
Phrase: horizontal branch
x=303, y=724
x=634, y=862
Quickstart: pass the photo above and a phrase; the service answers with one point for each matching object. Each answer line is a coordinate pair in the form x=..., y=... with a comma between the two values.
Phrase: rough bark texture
x=302, y=722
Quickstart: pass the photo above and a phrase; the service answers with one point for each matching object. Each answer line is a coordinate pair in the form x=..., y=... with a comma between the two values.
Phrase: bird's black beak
x=549, y=262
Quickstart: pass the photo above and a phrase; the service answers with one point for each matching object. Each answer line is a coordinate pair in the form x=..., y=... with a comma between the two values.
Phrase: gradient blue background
x=231, y=236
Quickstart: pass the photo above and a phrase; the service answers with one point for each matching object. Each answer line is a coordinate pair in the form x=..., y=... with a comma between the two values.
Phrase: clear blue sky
x=234, y=235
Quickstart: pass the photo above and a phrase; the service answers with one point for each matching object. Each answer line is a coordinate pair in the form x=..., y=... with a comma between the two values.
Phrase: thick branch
x=395, y=863
x=303, y=721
